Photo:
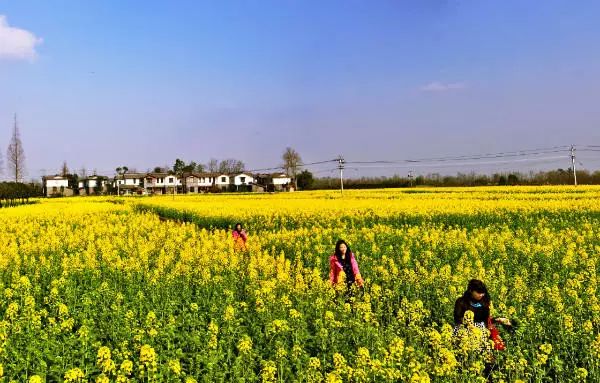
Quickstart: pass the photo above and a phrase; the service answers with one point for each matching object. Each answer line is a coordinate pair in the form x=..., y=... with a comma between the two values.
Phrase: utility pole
x=573, y=164
x=410, y=177
x=341, y=167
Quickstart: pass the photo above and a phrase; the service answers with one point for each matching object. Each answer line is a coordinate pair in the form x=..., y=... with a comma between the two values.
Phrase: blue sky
x=140, y=83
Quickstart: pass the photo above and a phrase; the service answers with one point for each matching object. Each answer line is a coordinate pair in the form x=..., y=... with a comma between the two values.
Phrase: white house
x=56, y=185
x=281, y=179
x=129, y=183
x=92, y=185
x=161, y=183
x=274, y=181
x=222, y=181
x=242, y=179
x=198, y=182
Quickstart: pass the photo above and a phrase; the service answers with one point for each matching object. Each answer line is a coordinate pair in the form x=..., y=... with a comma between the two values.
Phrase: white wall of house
x=92, y=183
x=222, y=180
x=243, y=179
x=131, y=181
x=57, y=183
x=281, y=180
x=167, y=180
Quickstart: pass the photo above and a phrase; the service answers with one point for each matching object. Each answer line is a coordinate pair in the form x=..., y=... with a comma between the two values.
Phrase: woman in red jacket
x=239, y=237
x=343, y=260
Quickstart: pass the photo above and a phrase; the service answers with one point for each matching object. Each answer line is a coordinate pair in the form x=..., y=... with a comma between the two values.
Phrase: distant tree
x=121, y=170
x=200, y=168
x=158, y=169
x=73, y=182
x=305, y=180
x=291, y=163
x=64, y=171
x=513, y=179
x=178, y=166
x=231, y=165
x=190, y=168
x=82, y=172
x=98, y=185
x=16, y=155
x=178, y=169
x=213, y=165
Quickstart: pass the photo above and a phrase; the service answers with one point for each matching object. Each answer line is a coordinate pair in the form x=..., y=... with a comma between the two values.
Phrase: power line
x=433, y=164
x=464, y=158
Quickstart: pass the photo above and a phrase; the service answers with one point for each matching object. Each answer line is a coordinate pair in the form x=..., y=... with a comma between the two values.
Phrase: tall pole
x=573, y=164
x=341, y=167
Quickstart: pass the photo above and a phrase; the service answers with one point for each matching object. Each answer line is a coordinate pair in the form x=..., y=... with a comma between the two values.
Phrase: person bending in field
x=239, y=237
x=343, y=260
x=472, y=321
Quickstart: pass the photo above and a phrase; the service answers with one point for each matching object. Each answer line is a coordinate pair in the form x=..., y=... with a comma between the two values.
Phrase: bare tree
x=213, y=165
x=82, y=172
x=64, y=171
x=231, y=165
x=16, y=155
x=1, y=165
x=291, y=163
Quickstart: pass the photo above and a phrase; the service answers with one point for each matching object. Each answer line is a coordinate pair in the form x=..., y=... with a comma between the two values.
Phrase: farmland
x=105, y=289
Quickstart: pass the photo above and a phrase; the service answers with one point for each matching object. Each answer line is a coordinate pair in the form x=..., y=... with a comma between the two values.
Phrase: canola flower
x=110, y=292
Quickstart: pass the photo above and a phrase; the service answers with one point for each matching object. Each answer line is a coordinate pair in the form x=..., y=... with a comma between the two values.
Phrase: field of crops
x=152, y=289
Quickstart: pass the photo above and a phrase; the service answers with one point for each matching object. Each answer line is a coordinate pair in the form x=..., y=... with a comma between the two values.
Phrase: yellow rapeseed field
x=153, y=289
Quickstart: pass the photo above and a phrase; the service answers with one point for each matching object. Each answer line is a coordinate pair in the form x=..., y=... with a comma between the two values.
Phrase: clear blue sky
x=140, y=83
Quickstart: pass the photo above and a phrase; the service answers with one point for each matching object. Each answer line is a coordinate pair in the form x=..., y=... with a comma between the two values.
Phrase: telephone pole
x=341, y=167
x=410, y=177
x=573, y=164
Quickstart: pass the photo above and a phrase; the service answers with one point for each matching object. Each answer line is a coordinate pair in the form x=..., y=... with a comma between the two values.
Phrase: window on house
x=170, y=180
x=223, y=179
x=243, y=180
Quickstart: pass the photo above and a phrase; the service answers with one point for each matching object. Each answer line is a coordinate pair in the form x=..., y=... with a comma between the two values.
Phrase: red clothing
x=240, y=235
x=335, y=267
x=240, y=238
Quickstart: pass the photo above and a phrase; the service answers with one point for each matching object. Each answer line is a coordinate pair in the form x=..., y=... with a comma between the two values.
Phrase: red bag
x=495, y=336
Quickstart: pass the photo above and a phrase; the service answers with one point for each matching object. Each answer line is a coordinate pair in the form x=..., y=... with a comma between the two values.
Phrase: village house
x=274, y=181
x=222, y=181
x=93, y=185
x=242, y=181
x=198, y=182
x=162, y=183
x=56, y=186
x=168, y=183
x=129, y=183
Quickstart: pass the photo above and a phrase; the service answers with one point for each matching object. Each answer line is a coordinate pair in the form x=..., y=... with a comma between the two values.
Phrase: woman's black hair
x=236, y=225
x=338, y=252
x=480, y=287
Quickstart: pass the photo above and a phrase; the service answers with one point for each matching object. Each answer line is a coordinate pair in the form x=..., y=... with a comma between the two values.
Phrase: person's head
x=238, y=227
x=477, y=291
x=341, y=248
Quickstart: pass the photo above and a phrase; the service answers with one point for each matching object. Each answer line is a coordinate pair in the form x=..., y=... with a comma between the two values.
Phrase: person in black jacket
x=477, y=299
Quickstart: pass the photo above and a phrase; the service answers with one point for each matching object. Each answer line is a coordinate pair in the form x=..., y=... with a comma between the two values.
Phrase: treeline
x=16, y=193
x=552, y=177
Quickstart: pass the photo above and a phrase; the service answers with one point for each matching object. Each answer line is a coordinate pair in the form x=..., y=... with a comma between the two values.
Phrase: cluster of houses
x=165, y=183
